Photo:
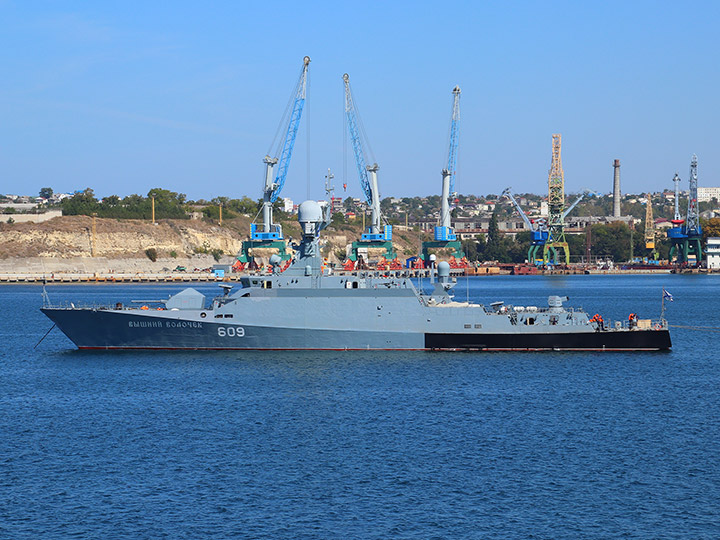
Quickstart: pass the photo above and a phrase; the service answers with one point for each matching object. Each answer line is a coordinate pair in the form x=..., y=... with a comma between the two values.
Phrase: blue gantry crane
x=444, y=235
x=539, y=230
x=269, y=234
x=445, y=231
x=686, y=235
x=376, y=235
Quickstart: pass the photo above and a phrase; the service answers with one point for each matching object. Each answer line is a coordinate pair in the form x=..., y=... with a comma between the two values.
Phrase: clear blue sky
x=125, y=96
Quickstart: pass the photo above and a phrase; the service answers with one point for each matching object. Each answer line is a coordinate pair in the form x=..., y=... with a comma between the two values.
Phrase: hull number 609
x=231, y=331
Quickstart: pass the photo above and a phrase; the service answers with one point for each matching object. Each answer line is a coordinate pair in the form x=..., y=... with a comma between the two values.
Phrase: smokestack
x=616, y=188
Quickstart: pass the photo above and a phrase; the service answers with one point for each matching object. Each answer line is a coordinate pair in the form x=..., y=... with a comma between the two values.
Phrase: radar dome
x=443, y=269
x=309, y=212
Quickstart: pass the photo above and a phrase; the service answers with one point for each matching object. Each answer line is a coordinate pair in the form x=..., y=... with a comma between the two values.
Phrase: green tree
x=82, y=203
x=168, y=204
x=46, y=192
x=493, y=248
x=710, y=228
x=612, y=241
x=470, y=247
x=518, y=249
x=244, y=206
x=337, y=219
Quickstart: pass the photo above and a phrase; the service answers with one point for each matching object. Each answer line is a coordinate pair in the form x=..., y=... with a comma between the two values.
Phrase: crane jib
x=454, y=137
x=284, y=161
x=357, y=145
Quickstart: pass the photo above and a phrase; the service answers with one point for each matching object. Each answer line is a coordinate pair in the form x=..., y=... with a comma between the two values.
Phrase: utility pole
x=220, y=208
x=588, y=241
x=153, y=209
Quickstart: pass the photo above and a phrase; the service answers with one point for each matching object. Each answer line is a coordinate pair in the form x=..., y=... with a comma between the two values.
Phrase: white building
x=287, y=204
x=713, y=253
x=707, y=193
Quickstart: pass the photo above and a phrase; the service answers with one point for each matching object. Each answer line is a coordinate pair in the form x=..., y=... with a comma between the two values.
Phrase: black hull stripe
x=635, y=340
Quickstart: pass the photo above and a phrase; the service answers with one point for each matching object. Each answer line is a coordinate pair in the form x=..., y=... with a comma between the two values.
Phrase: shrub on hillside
x=151, y=254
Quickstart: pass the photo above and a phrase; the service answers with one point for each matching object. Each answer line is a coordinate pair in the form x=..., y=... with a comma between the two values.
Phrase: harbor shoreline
x=207, y=277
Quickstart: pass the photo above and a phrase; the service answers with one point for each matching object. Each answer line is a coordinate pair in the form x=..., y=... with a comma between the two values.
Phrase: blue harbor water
x=366, y=445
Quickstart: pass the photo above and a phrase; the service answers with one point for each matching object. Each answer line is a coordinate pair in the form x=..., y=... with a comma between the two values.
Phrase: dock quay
x=113, y=278
x=207, y=277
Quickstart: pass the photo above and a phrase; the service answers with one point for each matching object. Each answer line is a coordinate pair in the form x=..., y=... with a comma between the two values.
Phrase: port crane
x=444, y=235
x=686, y=235
x=556, y=207
x=650, y=228
x=539, y=230
x=445, y=231
x=377, y=235
x=269, y=234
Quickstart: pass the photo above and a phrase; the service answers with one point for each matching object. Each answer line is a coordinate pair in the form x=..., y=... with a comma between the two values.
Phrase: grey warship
x=308, y=307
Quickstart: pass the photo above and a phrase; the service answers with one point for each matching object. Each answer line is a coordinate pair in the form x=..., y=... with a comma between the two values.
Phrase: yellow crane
x=650, y=227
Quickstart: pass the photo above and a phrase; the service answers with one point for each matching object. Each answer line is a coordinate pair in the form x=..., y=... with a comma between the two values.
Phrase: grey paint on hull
x=110, y=329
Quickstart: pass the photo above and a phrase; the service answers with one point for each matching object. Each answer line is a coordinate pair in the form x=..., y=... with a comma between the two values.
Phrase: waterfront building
x=712, y=252
x=708, y=193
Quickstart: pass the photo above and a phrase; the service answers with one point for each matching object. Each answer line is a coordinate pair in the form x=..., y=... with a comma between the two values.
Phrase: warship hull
x=109, y=329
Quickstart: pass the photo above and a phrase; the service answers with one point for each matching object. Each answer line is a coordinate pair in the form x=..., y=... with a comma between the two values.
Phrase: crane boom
x=273, y=186
x=538, y=230
x=454, y=133
x=444, y=232
x=574, y=204
x=508, y=193
x=356, y=139
x=292, y=129
x=367, y=173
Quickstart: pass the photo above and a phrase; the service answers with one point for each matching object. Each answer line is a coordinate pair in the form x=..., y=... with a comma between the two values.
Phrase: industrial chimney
x=616, y=188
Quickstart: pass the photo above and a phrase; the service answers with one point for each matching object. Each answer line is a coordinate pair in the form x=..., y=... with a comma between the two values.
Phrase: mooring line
x=704, y=328
x=46, y=335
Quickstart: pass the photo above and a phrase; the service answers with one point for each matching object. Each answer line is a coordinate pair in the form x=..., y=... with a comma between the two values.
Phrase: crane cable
x=345, y=130
x=307, y=137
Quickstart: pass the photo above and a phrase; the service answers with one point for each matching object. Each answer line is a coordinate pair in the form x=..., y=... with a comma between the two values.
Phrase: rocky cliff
x=71, y=243
x=75, y=236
